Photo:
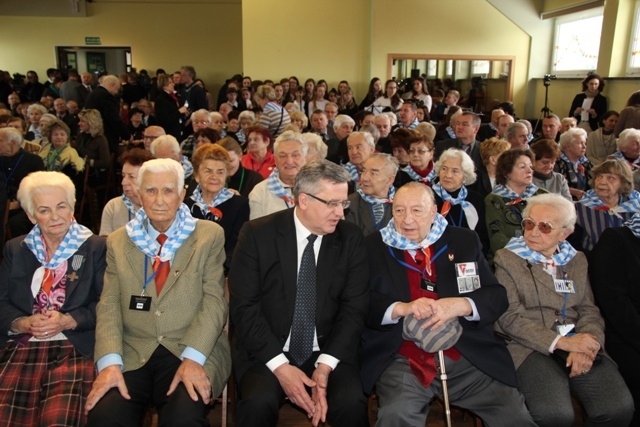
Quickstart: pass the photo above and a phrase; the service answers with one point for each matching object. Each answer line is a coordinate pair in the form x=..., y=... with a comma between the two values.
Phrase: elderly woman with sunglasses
x=554, y=331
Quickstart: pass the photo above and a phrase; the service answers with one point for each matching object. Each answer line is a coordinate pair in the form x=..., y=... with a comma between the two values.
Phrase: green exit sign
x=93, y=41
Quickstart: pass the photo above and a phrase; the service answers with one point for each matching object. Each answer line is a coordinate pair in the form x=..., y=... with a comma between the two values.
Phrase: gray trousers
x=405, y=402
x=547, y=391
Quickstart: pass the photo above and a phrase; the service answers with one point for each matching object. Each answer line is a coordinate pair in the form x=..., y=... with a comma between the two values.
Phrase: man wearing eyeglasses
x=424, y=268
x=299, y=298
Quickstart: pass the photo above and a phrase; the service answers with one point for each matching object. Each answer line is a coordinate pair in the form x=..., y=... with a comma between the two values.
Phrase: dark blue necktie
x=304, y=314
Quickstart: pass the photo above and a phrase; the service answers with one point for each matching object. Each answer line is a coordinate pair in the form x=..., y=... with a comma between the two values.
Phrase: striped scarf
x=392, y=238
x=129, y=205
x=223, y=195
x=634, y=225
x=563, y=255
x=451, y=132
x=75, y=237
x=507, y=193
x=353, y=171
x=187, y=166
x=377, y=204
x=137, y=232
x=470, y=211
x=274, y=185
x=416, y=177
x=629, y=204
x=619, y=156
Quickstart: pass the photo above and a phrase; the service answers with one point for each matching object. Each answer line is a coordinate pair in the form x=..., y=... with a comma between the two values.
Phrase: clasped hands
x=44, y=325
x=583, y=349
x=294, y=383
x=437, y=311
x=190, y=373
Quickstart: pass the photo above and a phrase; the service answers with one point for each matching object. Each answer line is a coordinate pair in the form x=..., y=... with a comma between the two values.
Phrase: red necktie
x=446, y=207
x=161, y=268
x=419, y=257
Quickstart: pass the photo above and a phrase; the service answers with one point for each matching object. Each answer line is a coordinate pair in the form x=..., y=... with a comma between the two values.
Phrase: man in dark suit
x=420, y=266
x=103, y=98
x=466, y=129
x=83, y=90
x=370, y=207
x=297, y=326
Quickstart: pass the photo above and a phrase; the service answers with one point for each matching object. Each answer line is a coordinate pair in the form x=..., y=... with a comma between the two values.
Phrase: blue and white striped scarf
x=581, y=161
x=412, y=126
x=274, y=185
x=414, y=175
x=75, y=237
x=187, y=166
x=137, y=232
x=223, y=195
x=563, y=255
x=619, y=156
x=630, y=203
x=376, y=200
x=507, y=193
x=353, y=171
x=129, y=205
x=451, y=132
x=392, y=238
x=634, y=225
x=470, y=211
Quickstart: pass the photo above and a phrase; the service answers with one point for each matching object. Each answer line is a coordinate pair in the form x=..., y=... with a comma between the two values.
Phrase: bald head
x=150, y=134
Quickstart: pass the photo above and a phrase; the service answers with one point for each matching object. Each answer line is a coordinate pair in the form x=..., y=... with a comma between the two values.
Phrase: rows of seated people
x=243, y=162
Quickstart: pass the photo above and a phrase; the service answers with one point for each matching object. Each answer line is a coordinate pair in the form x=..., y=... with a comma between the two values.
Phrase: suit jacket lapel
x=328, y=257
x=398, y=272
x=366, y=215
x=287, y=249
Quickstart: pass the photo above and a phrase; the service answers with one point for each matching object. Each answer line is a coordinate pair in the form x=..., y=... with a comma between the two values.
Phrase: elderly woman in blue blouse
x=212, y=201
x=50, y=283
x=514, y=186
x=554, y=330
x=610, y=203
x=573, y=163
x=458, y=205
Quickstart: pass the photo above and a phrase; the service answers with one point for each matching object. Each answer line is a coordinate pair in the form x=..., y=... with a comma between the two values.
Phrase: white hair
x=42, y=182
x=315, y=144
x=569, y=136
x=566, y=210
x=38, y=107
x=12, y=135
x=366, y=135
x=340, y=119
x=468, y=167
x=165, y=141
x=162, y=165
x=201, y=112
x=626, y=135
x=290, y=135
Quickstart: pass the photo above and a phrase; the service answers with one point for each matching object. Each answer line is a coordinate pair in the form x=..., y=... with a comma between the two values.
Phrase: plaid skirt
x=43, y=384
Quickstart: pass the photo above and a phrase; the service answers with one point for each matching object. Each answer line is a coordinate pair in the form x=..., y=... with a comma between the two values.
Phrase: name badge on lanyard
x=564, y=286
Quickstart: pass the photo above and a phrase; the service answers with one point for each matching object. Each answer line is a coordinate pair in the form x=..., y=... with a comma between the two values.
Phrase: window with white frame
x=633, y=67
x=577, y=43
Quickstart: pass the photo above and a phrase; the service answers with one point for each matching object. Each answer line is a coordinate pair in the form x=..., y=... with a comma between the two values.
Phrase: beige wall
x=176, y=35
x=326, y=39
x=441, y=33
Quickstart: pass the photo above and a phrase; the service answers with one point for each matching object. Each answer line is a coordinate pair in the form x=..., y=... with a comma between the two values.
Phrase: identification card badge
x=564, y=329
x=427, y=285
x=564, y=286
x=467, y=276
x=140, y=303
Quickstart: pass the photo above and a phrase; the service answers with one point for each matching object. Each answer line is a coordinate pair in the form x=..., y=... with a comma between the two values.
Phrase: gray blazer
x=361, y=215
x=191, y=310
x=523, y=322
